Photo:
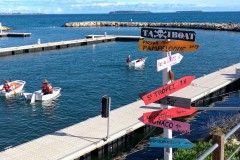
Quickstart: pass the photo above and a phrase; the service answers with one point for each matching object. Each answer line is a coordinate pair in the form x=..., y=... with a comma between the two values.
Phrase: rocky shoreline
x=207, y=26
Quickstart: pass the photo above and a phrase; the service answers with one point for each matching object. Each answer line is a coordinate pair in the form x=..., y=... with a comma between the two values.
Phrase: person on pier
x=46, y=87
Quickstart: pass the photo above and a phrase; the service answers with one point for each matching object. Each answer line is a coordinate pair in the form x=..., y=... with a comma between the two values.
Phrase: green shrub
x=199, y=148
x=193, y=153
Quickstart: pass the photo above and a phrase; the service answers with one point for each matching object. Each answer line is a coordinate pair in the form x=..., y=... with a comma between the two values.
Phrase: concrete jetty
x=207, y=26
x=12, y=34
x=91, y=39
x=86, y=139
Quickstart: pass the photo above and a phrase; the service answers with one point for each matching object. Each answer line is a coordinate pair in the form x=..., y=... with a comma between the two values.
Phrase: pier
x=88, y=138
x=15, y=34
x=90, y=39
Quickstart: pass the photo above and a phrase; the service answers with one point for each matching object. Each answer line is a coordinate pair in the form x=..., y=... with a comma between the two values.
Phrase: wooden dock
x=93, y=39
x=82, y=138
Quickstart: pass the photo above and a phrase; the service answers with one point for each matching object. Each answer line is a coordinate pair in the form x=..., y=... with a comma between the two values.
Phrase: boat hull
x=15, y=87
x=39, y=96
x=135, y=64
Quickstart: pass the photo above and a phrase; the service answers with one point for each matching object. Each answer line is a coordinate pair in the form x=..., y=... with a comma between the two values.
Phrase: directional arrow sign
x=170, y=143
x=168, y=34
x=168, y=61
x=164, y=114
x=167, y=89
x=175, y=46
x=176, y=101
x=170, y=124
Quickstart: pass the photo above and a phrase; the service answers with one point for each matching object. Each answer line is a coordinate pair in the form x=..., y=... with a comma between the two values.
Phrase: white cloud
x=204, y=5
x=105, y=6
x=101, y=4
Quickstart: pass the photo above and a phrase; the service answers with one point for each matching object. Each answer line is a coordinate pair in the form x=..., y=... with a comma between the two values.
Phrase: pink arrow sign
x=170, y=60
x=150, y=117
x=170, y=124
x=167, y=89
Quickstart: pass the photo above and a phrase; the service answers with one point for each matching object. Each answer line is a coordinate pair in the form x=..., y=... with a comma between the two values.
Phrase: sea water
x=87, y=73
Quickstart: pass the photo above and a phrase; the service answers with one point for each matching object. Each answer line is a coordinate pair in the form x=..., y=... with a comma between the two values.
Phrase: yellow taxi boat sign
x=175, y=46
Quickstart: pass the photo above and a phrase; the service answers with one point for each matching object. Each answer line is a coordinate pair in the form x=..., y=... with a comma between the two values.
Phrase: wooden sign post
x=167, y=132
x=185, y=44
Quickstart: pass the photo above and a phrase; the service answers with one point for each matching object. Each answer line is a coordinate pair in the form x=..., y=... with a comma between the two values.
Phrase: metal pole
x=231, y=132
x=108, y=118
x=167, y=132
x=208, y=152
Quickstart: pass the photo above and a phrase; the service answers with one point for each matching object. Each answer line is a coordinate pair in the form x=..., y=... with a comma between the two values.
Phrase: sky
x=105, y=6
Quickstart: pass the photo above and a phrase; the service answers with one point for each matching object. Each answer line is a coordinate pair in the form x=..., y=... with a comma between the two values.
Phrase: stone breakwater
x=207, y=26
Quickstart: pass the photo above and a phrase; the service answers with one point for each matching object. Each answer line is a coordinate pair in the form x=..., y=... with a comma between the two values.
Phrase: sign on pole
x=170, y=60
x=164, y=114
x=175, y=46
x=167, y=89
x=168, y=34
x=182, y=127
x=176, y=101
x=170, y=143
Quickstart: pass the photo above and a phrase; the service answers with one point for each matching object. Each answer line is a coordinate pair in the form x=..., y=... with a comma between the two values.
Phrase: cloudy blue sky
x=105, y=6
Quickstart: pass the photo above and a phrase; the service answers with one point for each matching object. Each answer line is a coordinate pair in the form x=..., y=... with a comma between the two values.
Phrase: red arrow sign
x=150, y=117
x=167, y=89
x=170, y=124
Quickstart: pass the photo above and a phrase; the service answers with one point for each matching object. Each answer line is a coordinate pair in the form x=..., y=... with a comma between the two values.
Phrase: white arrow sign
x=170, y=60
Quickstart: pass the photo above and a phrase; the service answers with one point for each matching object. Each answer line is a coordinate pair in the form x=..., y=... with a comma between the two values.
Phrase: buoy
x=171, y=75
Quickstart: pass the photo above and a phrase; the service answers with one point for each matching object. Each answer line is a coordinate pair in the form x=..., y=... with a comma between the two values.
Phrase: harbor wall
x=206, y=26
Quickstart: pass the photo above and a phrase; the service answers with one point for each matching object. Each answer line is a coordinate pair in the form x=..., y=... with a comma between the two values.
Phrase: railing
x=218, y=148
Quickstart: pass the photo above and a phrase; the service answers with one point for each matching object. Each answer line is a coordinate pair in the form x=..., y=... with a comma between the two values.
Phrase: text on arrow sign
x=182, y=127
x=175, y=46
x=150, y=117
x=170, y=60
x=167, y=89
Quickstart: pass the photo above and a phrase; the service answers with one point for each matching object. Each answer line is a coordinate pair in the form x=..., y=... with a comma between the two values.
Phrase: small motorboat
x=39, y=96
x=138, y=63
x=15, y=88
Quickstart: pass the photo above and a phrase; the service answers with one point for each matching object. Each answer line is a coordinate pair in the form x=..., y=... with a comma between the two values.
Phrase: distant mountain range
x=18, y=13
x=188, y=11
x=146, y=12
x=130, y=12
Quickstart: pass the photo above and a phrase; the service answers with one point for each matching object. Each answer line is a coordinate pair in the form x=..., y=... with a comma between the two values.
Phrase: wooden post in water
x=167, y=132
x=218, y=153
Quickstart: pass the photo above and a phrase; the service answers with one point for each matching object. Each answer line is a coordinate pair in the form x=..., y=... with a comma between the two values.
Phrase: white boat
x=136, y=63
x=15, y=88
x=39, y=96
